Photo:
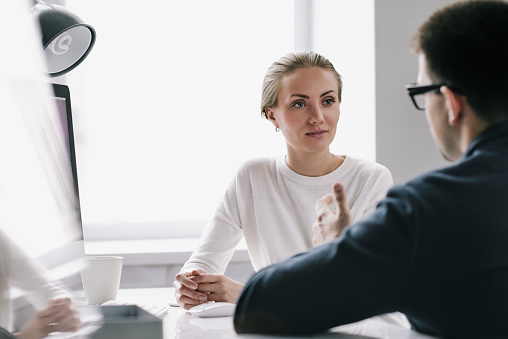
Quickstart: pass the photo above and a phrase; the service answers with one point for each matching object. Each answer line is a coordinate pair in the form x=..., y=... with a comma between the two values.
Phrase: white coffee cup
x=101, y=278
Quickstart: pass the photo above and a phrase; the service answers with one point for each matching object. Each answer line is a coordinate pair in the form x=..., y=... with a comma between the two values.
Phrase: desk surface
x=178, y=324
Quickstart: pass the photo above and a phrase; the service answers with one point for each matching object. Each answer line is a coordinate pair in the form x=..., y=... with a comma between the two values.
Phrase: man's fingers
x=341, y=201
x=316, y=228
x=321, y=206
x=324, y=202
x=340, y=197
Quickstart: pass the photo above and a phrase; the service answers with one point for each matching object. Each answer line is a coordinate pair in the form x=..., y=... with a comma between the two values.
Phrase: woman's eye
x=298, y=104
x=329, y=101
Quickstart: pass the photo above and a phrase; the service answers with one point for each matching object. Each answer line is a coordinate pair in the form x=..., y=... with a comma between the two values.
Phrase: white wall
x=403, y=140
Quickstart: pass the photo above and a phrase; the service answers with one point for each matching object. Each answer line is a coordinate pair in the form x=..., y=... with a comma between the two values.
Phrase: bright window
x=166, y=106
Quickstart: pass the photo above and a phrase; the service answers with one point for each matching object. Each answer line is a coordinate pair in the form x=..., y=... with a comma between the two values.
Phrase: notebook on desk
x=156, y=310
x=127, y=322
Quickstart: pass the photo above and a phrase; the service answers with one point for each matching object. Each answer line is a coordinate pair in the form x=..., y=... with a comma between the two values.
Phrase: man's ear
x=271, y=116
x=454, y=104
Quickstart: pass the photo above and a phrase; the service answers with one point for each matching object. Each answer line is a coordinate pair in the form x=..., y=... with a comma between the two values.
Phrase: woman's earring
x=277, y=129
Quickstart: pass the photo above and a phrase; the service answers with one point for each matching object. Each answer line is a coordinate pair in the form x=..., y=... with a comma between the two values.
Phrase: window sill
x=147, y=252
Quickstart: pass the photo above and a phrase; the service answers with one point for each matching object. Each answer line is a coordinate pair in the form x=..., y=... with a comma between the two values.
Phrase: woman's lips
x=316, y=134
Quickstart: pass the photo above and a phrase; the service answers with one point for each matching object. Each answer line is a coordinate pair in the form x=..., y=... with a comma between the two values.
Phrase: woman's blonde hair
x=287, y=64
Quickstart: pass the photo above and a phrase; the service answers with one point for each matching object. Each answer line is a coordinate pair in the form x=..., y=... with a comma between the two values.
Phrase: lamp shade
x=66, y=40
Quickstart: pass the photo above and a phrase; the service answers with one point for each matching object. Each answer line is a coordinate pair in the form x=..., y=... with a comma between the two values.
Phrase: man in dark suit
x=436, y=249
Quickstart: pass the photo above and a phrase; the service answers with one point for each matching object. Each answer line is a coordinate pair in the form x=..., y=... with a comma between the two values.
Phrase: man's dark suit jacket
x=4, y=334
x=436, y=249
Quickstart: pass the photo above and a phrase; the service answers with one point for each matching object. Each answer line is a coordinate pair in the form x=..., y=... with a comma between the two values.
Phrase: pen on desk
x=173, y=305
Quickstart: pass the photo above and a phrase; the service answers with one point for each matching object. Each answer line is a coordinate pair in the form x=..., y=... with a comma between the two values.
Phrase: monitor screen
x=62, y=101
x=39, y=195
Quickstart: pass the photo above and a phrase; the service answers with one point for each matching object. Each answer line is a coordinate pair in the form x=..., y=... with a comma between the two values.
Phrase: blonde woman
x=270, y=202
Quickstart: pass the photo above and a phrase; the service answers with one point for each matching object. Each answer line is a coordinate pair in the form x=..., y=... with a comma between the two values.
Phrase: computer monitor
x=62, y=99
x=67, y=257
x=39, y=195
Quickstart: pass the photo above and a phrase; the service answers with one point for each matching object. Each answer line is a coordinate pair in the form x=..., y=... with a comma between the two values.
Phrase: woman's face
x=308, y=110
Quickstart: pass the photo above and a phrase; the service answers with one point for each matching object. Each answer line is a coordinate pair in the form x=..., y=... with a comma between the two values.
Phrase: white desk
x=178, y=324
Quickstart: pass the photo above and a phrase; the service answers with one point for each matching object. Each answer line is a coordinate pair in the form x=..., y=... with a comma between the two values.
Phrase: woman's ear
x=454, y=104
x=271, y=116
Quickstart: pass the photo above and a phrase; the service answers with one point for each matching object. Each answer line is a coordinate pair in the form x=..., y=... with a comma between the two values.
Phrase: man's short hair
x=466, y=47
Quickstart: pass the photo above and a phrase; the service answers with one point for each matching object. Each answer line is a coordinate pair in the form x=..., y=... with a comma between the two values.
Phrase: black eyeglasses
x=416, y=93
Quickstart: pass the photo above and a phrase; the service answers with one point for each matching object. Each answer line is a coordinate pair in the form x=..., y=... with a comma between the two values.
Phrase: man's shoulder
x=429, y=178
x=4, y=334
x=433, y=185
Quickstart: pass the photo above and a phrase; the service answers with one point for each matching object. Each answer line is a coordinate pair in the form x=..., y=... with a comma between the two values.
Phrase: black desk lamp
x=66, y=40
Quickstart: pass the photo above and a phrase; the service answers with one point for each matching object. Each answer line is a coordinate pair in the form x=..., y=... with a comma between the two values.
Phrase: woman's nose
x=316, y=115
